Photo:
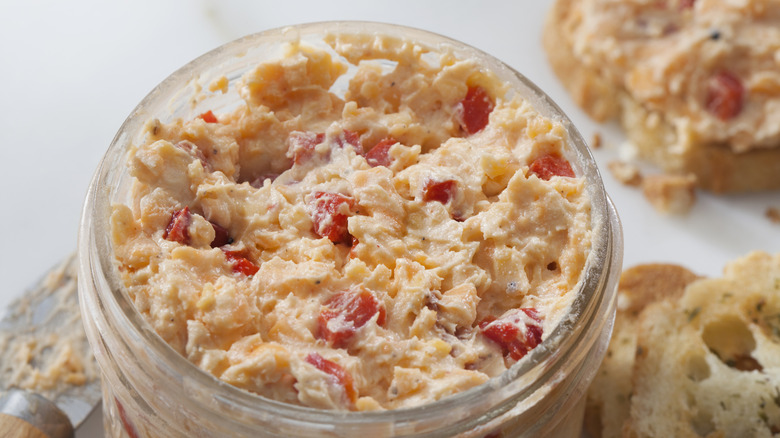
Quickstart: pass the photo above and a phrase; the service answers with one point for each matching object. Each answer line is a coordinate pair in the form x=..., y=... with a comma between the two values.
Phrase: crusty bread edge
x=716, y=167
x=589, y=90
x=640, y=286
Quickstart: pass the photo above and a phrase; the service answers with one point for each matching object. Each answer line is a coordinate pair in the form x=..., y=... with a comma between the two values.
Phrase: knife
x=48, y=377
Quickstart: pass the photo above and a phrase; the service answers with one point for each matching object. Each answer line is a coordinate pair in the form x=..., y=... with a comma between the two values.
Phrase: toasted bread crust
x=608, y=399
x=693, y=357
x=649, y=283
x=707, y=363
x=590, y=91
x=716, y=166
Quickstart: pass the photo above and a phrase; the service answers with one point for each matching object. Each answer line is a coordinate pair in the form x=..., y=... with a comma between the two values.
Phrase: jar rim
x=604, y=258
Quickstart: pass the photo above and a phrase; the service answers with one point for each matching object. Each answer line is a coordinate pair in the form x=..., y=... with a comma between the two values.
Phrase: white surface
x=72, y=71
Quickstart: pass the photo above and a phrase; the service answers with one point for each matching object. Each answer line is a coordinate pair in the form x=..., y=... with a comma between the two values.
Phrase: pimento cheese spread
x=383, y=248
x=708, y=67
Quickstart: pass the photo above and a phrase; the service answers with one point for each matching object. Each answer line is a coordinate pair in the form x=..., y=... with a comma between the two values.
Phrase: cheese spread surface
x=44, y=345
x=709, y=67
x=381, y=247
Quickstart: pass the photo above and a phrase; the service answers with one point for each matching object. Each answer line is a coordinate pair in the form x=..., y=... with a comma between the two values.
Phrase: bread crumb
x=219, y=84
x=596, y=142
x=773, y=213
x=625, y=172
x=628, y=151
x=674, y=194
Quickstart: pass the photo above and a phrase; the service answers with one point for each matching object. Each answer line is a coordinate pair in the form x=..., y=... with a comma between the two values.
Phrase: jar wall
x=150, y=391
x=141, y=400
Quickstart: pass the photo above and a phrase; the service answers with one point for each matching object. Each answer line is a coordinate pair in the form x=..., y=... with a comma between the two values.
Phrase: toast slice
x=708, y=364
x=607, y=406
x=695, y=84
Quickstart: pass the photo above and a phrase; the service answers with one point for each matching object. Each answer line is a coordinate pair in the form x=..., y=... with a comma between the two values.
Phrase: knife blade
x=46, y=356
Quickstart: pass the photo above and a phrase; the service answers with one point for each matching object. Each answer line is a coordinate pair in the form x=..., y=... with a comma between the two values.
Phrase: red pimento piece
x=221, y=236
x=488, y=319
x=379, y=154
x=475, y=109
x=126, y=423
x=441, y=191
x=686, y=4
x=329, y=213
x=209, y=117
x=240, y=263
x=302, y=145
x=178, y=227
x=340, y=375
x=350, y=138
x=547, y=166
x=344, y=313
x=517, y=332
x=725, y=94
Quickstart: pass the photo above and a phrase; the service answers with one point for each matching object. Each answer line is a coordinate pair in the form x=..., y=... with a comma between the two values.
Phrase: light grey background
x=70, y=72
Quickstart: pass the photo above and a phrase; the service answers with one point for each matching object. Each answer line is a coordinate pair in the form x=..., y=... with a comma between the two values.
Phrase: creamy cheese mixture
x=711, y=67
x=45, y=349
x=384, y=249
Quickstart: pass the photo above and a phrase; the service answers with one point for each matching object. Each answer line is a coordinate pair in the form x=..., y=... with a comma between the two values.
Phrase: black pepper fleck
x=714, y=35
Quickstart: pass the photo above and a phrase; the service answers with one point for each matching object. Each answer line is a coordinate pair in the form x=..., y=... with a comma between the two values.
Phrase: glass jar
x=152, y=391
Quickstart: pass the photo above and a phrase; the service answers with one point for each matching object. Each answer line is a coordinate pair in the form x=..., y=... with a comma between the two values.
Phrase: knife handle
x=27, y=415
